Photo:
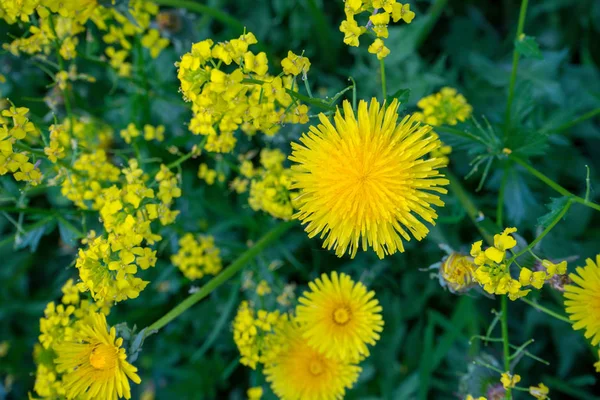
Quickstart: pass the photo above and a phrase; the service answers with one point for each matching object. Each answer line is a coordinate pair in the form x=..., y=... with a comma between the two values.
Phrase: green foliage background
x=425, y=348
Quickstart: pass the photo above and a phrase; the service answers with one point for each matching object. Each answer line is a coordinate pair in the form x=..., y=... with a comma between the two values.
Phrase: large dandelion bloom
x=95, y=365
x=299, y=372
x=340, y=317
x=583, y=299
x=367, y=182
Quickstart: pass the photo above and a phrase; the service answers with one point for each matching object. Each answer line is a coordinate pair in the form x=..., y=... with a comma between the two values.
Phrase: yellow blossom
x=365, y=183
x=377, y=47
x=540, y=391
x=509, y=381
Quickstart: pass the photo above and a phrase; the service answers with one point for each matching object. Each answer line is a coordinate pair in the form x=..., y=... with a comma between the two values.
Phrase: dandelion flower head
x=94, y=364
x=582, y=299
x=340, y=317
x=299, y=371
x=366, y=181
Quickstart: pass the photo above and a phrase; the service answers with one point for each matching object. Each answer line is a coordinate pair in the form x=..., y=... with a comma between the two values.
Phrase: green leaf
x=69, y=234
x=556, y=205
x=401, y=94
x=527, y=46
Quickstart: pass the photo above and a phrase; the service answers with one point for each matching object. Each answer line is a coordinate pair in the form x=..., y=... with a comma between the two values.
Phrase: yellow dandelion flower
x=341, y=317
x=298, y=371
x=582, y=299
x=94, y=364
x=367, y=182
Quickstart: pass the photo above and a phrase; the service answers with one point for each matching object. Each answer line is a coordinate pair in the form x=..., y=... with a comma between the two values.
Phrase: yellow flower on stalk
x=295, y=65
x=502, y=243
x=535, y=279
x=509, y=381
x=366, y=182
x=340, y=317
x=94, y=364
x=352, y=32
x=255, y=393
x=540, y=391
x=377, y=47
x=299, y=372
x=582, y=299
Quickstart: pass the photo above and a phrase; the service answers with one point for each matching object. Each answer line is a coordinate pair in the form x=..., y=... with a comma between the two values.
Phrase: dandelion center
x=341, y=315
x=316, y=367
x=103, y=357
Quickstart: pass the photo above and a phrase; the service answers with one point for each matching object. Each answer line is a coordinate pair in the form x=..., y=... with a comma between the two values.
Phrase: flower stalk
x=223, y=277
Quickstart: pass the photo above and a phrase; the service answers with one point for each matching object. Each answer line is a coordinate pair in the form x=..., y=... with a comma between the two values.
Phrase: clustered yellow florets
x=62, y=22
x=447, y=107
x=493, y=269
x=77, y=355
x=246, y=97
x=582, y=300
x=313, y=355
x=366, y=182
x=456, y=272
x=15, y=128
x=128, y=207
x=197, y=256
x=381, y=12
x=253, y=334
x=270, y=185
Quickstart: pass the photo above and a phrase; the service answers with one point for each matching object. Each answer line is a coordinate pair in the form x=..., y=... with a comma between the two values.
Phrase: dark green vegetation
x=427, y=345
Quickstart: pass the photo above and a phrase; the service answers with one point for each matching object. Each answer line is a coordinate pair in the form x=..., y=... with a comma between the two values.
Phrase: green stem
x=531, y=245
x=500, y=208
x=515, y=64
x=307, y=85
x=553, y=184
x=433, y=14
x=576, y=121
x=546, y=310
x=180, y=160
x=203, y=9
x=483, y=224
x=223, y=277
x=383, y=85
x=505, y=341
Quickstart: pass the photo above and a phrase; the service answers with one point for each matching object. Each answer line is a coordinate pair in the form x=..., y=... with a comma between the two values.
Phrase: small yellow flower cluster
x=209, y=175
x=270, y=185
x=63, y=78
x=16, y=127
x=61, y=22
x=197, y=256
x=493, y=270
x=58, y=325
x=314, y=354
x=128, y=207
x=253, y=334
x=381, y=12
x=447, y=107
x=150, y=133
x=246, y=97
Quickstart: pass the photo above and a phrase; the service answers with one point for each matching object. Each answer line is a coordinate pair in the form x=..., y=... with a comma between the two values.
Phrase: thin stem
x=353, y=93
x=204, y=10
x=500, y=208
x=546, y=310
x=433, y=14
x=505, y=341
x=223, y=277
x=515, y=64
x=584, y=117
x=553, y=184
x=531, y=245
x=383, y=85
x=473, y=212
x=307, y=85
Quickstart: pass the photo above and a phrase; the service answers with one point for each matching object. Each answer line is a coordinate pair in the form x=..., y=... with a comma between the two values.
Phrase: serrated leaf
x=556, y=205
x=527, y=46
